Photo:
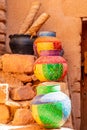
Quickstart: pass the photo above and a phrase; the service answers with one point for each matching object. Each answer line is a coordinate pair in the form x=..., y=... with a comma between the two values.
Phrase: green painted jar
x=51, y=107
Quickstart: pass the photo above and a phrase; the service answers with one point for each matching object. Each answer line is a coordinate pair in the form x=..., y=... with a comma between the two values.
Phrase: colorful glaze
x=47, y=43
x=50, y=68
x=51, y=110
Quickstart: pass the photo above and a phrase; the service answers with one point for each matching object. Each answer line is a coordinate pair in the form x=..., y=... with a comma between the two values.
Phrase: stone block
x=23, y=77
x=9, y=78
x=22, y=93
x=4, y=114
x=4, y=93
x=22, y=117
x=17, y=63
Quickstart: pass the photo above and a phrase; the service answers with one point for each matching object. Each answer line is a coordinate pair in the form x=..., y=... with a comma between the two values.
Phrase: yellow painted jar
x=47, y=44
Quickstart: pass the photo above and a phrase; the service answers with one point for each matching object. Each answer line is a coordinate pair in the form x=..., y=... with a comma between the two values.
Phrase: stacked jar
x=51, y=107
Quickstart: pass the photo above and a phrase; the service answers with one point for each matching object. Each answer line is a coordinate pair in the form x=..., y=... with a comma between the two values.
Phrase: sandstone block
x=14, y=105
x=8, y=78
x=18, y=104
x=17, y=63
x=22, y=93
x=23, y=77
x=2, y=28
x=22, y=117
x=2, y=16
x=3, y=5
x=34, y=78
x=4, y=93
x=4, y=114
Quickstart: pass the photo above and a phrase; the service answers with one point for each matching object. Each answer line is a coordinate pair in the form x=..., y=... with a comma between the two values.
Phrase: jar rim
x=47, y=33
x=21, y=35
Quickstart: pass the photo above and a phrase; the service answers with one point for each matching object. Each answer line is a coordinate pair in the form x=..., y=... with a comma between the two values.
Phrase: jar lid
x=47, y=33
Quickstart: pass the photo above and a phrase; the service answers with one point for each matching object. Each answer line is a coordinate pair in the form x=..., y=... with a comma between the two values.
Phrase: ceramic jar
x=47, y=44
x=51, y=107
x=21, y=44
x=50, y=68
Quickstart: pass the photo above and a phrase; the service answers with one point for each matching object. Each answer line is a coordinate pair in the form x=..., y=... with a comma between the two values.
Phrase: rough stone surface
x=4, y=93
x=11, y=63
x=4, y=114
x=22, y=93
x=8, y=78
x=22, y=117
x=76, y=8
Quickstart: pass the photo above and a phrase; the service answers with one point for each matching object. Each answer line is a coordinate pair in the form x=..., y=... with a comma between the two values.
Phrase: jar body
x=21, y=44
x=50, y=68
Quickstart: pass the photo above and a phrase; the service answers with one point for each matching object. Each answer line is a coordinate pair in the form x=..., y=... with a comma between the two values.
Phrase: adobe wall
x=77, y=8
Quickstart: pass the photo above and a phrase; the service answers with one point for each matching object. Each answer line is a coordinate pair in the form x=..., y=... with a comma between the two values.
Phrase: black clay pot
x=21, y=44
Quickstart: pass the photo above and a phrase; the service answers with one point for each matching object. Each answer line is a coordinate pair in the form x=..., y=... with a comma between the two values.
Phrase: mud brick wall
x=2, y=26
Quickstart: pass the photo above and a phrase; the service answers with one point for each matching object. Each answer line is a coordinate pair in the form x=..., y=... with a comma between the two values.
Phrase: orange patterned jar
x=47, y=45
